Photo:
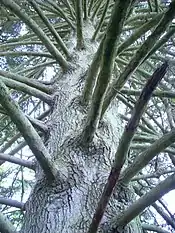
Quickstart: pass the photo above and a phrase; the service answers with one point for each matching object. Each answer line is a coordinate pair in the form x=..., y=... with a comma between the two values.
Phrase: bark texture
x=67, y=206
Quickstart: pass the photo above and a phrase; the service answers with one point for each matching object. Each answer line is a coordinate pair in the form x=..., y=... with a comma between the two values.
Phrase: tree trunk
x=68, y=204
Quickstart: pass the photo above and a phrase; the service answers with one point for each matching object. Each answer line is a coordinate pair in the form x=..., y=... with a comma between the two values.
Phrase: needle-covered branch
x=31, y=82
x=139, y=56
x=12, y=203
x=15, y=8
x=146, y=200
x=108, y=54
x=5, y=225
x=18, y=161
x=124, y=144
x=28, y=132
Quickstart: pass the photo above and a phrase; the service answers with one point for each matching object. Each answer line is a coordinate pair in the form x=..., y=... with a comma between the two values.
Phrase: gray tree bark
x=68, y=204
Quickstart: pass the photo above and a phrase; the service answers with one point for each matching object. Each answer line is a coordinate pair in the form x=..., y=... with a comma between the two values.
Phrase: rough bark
x=68, y=204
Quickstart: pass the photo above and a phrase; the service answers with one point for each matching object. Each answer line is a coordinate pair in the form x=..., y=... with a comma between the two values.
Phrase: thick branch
x=151, y=228
x=124, y=144
x=13, y=203
x=38, y=124
x=30, y=82
x=146, y=200
x=27, y=89
x=14, y=138
x=146, y=156
x=108, y=54
x=79, y=25
x=29, y=133
x=92, y=74
x=161, y=42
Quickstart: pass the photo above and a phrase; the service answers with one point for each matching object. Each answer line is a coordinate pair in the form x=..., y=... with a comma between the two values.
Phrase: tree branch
x=144, y=201
x=164, y=215
x=50, y=27
x=124, y=144
x=29, y=133
x=139, y=32
x=18, y=161
x=92, y=74
x=169, y=220
x=139, y=56
x=14, y=138
x=157, y=174
x=79, y=25
x=27, y=89
x=55, y=6
x=25, y=53
x=101, y=20
x=31, y=82
x=11, y=5
x=143, y=159
x=157, y=229
x=12, y=203
x=108, y=55
x=38, y=124
x=159, y=93
x=161, y=42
